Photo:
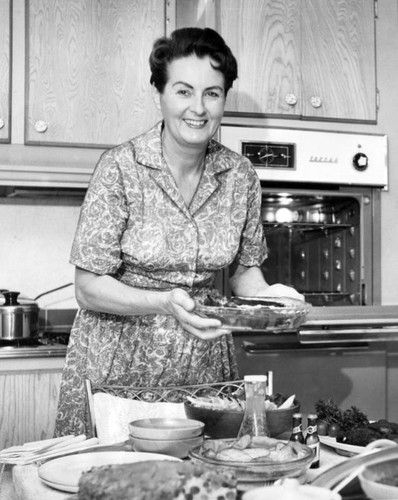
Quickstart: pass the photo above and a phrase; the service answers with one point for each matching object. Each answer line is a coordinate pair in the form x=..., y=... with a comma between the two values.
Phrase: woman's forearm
x=106, y=294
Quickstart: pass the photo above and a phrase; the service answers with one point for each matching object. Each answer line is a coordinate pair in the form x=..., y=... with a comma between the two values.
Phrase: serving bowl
x=256, y=313
x=380, y=480
x=178, y=448
x=223, y=424
x=165, y=428
x=258, y=472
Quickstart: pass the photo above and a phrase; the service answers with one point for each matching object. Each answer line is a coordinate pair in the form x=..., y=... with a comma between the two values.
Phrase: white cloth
x=113, y=414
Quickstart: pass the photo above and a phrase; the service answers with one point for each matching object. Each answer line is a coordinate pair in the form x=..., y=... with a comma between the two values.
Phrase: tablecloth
x=28, y=485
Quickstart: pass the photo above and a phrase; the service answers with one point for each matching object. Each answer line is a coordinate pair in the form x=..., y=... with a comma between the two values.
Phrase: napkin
x=37, y=451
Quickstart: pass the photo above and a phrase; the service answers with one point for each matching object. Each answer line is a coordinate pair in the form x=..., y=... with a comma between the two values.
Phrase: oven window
x=314, y=245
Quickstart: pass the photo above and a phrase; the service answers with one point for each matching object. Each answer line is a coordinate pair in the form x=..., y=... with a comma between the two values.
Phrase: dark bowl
x=224, y=424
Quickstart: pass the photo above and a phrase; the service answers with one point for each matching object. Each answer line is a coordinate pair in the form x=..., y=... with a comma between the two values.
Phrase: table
x=28, y=486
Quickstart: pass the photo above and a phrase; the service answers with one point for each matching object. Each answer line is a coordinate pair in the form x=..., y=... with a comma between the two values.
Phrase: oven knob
x=360, y=162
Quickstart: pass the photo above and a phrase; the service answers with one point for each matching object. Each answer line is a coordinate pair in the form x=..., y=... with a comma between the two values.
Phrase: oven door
x=353, y=374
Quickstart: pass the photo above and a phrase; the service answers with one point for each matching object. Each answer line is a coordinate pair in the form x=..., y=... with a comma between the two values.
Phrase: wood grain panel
x=264, y=36
x=28, y=406
x=88, y=69
x=5, y=63
x=338, y=59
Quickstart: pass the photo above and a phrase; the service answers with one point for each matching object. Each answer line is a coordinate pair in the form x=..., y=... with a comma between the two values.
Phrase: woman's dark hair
x=186, y=42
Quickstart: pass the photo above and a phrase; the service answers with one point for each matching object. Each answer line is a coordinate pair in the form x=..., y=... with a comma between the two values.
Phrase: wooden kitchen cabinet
x=5, y=64
x=304, y=59
x=29, y=398
x=87, y=70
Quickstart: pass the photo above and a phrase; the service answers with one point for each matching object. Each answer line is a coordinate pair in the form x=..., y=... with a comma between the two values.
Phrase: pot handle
x=11, y=298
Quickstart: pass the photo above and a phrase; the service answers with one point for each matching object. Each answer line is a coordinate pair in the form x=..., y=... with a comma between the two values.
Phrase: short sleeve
x=102, y=221
x=253, y=247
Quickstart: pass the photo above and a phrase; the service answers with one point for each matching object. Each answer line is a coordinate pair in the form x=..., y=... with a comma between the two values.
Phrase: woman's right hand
x=181, y=306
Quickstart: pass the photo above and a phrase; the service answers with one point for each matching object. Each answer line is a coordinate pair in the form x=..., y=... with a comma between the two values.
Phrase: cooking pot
x=19, y=318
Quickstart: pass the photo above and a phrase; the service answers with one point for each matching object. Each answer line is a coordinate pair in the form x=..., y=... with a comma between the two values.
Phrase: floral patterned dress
x=135, y=226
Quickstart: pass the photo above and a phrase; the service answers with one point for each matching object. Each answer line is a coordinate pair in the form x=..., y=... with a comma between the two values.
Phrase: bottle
x=297, y=432
x=312, y=438
x=254, y=423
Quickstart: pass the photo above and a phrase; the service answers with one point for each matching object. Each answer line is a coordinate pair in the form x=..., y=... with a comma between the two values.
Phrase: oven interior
x=314, y=243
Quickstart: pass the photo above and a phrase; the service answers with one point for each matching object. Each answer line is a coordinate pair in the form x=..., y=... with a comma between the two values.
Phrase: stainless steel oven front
x=321, y=193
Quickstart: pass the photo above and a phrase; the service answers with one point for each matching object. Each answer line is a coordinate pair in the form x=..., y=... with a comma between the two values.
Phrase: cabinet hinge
x=376, y=7
x=377, y=99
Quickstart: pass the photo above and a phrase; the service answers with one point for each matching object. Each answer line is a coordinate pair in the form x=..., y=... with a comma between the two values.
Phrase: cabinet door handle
x=2, y=123
x=291, y=99
x=316, y=101
x=41, y=126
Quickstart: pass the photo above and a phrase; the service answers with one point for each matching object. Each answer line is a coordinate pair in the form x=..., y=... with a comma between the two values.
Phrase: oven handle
x=259, y=349
x=387, y=333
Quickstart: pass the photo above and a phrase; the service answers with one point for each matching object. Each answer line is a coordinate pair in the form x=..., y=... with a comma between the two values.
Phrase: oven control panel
x=311, y=156
x=270, y=154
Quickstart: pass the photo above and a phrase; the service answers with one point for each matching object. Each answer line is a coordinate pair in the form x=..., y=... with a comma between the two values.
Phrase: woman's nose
x=197, y=105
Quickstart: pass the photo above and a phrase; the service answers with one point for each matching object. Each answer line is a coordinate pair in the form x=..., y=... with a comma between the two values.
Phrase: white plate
x=64, y=473
x=341, y=448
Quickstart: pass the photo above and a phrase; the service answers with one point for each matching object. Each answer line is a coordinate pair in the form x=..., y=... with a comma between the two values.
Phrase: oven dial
x=360, y=162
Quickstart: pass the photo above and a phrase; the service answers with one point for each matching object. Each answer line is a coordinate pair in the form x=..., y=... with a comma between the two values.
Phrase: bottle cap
x=312, y=415
x=255, y=378
x=297, y=415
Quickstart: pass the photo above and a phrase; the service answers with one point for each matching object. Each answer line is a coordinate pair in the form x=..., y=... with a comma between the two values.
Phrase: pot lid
x=11, y=303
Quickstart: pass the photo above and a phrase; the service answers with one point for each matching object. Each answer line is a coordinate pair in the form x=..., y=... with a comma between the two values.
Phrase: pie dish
x=255, y=313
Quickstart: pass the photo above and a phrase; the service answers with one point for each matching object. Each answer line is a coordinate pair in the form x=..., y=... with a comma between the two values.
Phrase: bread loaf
x=156, y=480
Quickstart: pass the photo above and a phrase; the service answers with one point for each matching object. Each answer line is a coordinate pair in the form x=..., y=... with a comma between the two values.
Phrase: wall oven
x=321, y=195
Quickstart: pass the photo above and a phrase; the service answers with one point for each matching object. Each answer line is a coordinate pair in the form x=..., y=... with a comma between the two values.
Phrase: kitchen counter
x=350, y=324
x=32, y=351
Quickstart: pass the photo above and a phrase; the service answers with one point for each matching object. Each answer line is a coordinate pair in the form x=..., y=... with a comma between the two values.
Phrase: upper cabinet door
x=339, y=59
x=264, y=36
x=88, y=71
x=306, y=59
x=5, y=64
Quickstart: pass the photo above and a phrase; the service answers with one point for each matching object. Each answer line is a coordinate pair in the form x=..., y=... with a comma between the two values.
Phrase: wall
x=36, y=236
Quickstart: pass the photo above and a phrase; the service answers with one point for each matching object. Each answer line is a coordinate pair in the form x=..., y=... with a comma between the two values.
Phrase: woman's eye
x=183, y=92
x=213, y=94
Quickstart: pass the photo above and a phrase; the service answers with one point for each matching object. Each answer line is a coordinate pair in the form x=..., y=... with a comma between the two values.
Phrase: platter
x=64, y=473
x=347, y=450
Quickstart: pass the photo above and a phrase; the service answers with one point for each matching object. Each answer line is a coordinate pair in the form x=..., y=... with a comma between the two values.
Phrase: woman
x=163, y=213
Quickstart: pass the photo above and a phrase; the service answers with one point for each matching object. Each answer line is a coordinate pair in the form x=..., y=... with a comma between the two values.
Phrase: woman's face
x=193, y=101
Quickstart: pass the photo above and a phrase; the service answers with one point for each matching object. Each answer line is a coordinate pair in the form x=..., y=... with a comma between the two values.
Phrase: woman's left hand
x=182, y=307
x=279, y=290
